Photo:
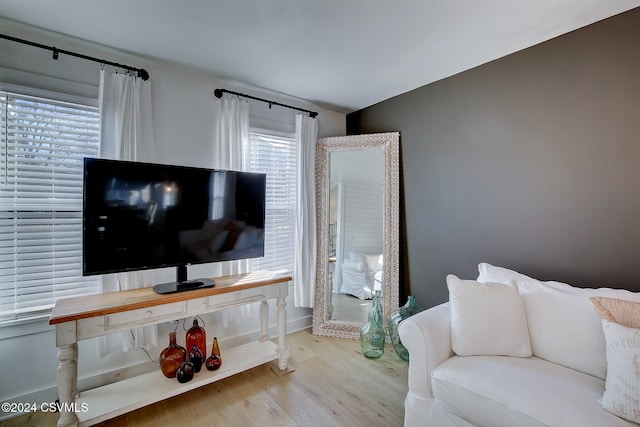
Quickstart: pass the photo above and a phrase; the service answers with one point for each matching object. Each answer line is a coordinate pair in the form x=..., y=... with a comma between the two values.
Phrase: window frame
x=290, y=136
x=39, y=322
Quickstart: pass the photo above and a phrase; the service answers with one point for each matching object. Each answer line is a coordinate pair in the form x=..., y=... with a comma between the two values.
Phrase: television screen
x=141, y=215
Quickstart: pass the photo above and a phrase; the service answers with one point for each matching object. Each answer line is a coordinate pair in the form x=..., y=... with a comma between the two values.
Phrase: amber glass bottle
x=214, y=361
x=171, y=358
x=198, y=336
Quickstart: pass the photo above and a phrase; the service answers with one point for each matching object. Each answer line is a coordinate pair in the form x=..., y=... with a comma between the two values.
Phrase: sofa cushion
x=622, y=386
x=487, y=319
x=508, y=391
x=563, y=325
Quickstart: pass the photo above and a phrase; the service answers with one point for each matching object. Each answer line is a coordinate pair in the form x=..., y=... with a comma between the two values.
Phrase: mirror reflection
x=356, y=232
x=357, y=190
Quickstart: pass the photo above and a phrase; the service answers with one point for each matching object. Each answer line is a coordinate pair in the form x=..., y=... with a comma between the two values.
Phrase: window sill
x=25, y=327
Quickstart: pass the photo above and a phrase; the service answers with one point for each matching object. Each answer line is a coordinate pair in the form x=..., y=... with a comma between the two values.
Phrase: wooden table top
x=70, y=309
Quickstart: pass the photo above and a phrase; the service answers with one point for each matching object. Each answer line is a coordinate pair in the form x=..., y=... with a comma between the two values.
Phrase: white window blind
x=42, y=146
x=275, y=156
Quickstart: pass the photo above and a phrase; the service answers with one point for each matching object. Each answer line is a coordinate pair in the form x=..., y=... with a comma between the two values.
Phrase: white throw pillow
x=487, y=319
x=491, y=273
x=374, y=262
x=622, y=386
x=563, y=325
x=564, y=328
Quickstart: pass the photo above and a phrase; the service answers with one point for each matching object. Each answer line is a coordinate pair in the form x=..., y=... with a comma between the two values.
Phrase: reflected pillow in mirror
x=374, y=262
x=354, y=266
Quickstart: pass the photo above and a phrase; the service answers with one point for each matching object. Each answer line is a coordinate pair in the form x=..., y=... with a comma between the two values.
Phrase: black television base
x=186, y=285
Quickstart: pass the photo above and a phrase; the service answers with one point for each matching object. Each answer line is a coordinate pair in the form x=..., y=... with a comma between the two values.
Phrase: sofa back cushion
x=564, y=328
x=563, y=325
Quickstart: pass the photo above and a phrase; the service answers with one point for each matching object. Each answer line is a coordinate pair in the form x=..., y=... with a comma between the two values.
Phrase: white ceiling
x=340, y=54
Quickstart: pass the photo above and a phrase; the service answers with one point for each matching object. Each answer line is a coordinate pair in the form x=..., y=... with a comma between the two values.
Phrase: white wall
x=183, y=112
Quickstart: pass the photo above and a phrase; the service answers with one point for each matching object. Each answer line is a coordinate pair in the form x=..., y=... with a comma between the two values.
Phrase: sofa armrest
x=427, y=336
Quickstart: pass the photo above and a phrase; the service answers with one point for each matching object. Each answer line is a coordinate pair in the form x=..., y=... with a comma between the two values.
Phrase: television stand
x=85, y=317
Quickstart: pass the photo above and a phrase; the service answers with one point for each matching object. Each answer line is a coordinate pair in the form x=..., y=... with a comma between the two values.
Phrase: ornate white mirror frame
x=390, y=144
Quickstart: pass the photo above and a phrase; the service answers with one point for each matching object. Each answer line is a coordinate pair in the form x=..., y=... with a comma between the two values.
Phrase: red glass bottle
x=198, y=336
x=214, y=361
x=171, y=358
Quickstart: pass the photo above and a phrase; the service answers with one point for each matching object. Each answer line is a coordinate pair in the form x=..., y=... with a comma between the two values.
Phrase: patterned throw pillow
x=622, y=386
x=621, y=326
x=626, y=313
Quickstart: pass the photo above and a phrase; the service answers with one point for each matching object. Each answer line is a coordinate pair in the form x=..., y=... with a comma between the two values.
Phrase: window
x=275, y=155
x=42, y=146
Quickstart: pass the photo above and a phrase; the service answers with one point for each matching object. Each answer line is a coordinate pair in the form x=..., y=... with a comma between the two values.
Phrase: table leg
x=283, y=349
x=67, y=384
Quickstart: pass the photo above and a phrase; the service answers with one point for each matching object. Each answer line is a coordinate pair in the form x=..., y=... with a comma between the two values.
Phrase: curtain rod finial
x=313, y=114
x=218, y=93
x=143, y=74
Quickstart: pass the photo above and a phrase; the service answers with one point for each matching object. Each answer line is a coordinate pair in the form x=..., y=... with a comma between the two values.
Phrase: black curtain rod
x=219, y=92
x=142, y=73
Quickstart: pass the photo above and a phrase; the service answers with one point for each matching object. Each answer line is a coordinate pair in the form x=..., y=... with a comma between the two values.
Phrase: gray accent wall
x=530, y=162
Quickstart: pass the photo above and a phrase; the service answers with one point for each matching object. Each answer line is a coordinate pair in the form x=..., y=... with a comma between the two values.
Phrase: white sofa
x=558, y=378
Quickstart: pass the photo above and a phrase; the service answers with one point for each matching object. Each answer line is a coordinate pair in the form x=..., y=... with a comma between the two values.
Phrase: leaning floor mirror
x=357, y=190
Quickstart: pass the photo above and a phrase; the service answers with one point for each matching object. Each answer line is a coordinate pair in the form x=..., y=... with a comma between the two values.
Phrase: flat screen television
x=140, y=216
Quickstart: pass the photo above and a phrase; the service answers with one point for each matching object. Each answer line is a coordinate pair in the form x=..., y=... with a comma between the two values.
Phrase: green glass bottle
x=372, y=333
x=407, y=310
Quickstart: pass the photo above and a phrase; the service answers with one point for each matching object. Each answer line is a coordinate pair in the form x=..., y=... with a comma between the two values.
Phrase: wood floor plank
x=332, y=384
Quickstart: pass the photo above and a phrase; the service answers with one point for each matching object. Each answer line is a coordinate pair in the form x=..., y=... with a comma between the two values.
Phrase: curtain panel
x=126, y=133
x=305, y=251
x=231, y=134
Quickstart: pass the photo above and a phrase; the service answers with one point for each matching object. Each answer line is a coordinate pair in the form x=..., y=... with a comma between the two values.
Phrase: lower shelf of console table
x=128, y=395
x=91, y=316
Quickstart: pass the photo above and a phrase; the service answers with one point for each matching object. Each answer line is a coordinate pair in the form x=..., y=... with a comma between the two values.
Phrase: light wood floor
x=332, y=385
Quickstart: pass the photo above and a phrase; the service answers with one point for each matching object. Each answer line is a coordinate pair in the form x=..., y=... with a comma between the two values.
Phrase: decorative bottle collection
x=176, y=361
x=183, y=364
x=372, y=333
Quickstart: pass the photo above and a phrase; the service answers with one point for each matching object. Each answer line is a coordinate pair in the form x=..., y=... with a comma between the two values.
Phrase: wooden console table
x=91, y=316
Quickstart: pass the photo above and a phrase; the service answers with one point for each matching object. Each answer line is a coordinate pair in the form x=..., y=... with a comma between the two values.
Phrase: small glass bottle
x=214, y=361
x=185, y=372
x=407, y=310
x=372, y=333
x=171, y=358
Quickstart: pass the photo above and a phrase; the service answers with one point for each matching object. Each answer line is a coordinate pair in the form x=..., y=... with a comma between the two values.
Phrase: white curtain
x=305, y=250
x=230, y=136
x=231, y=132
x=126, y=134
